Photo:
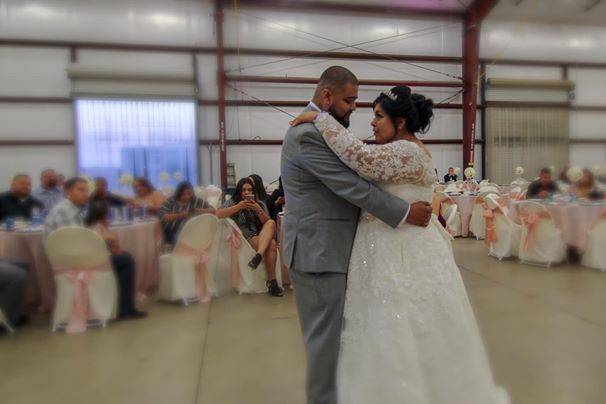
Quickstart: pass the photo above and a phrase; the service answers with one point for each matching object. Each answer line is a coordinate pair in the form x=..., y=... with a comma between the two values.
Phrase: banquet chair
x=187, y=273
x=595, y=255
x=484, y=183
x=450, y=213
x=541, y=241
x=4, y=322
x=86, y=285
x=489, y=189
x=243, y=279
x=213, y=196
x=502, y=234
x=516, y=194
x=477, y=223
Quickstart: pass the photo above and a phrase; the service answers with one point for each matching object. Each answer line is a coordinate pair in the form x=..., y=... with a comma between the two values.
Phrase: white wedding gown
x=410, y=335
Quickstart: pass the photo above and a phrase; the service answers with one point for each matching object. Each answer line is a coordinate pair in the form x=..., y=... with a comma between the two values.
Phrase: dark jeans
x=13, y=279
x=124, y=268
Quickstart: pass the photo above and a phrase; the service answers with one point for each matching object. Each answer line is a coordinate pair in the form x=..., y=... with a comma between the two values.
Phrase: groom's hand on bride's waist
x=419, y=214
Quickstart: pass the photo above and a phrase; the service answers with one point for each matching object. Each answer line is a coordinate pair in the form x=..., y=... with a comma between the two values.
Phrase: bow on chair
x=202, y=257
x=80, y=277
x=530, y=220
x=234, y=244
x=491, y=231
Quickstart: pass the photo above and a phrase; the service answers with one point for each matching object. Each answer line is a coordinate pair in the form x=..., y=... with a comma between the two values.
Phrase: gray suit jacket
x=323, y=201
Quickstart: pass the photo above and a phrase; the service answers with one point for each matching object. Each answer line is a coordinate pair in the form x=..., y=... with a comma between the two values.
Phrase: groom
x=323, y=202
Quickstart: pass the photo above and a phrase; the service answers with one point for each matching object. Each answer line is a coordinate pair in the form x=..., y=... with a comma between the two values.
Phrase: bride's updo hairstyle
x=415, y=109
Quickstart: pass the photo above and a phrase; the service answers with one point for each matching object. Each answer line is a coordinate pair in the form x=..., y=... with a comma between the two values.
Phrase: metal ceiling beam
x=363, y=82
x=314, y=6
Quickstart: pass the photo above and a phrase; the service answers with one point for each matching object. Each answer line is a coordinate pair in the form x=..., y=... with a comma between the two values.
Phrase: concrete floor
x=544, y=329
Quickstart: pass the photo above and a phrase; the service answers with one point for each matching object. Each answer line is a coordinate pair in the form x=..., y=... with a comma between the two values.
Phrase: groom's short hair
x=336, y=77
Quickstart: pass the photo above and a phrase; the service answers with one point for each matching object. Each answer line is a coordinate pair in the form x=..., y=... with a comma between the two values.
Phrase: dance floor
x=544, y=330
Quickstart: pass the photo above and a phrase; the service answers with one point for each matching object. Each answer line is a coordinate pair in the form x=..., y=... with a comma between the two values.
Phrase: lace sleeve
x=397, y=162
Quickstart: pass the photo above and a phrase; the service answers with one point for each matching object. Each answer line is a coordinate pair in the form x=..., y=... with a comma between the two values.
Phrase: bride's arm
x=382, y=163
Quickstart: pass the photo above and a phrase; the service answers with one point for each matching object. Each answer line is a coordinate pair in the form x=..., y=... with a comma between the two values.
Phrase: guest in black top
x=102, y=194
x=18, y=202
x=451, y=176
x=277, y=198
x=543, y=187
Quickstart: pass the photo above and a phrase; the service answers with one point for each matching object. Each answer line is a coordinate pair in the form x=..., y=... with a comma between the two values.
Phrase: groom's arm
x=317, y=158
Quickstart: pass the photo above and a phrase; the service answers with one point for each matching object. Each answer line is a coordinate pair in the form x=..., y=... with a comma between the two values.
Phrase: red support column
x=471, y=59
x=221, y=88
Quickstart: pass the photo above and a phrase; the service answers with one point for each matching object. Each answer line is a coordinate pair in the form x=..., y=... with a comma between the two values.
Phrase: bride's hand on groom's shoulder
x=305, y=117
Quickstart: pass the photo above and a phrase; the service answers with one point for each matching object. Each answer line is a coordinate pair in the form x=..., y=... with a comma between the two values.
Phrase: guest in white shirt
x=70, y=212
x=48, y=192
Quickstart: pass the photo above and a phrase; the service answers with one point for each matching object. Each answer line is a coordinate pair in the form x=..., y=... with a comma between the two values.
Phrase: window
x=153, y=139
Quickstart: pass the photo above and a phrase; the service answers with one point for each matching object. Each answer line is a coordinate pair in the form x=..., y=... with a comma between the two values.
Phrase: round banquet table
x=142, y=239
x=575, y=220
x=465, y=204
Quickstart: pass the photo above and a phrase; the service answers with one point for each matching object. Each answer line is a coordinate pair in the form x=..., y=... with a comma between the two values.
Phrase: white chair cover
x=477, y=224
x=187, y=274
x=502, y=234
x=541, y=241
x=213, y=196
x=73, y=250
x=595, y=255
x=450, y=213
x=244, y=280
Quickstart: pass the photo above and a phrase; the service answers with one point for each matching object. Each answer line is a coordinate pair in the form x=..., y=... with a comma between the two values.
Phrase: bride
x=410, y=335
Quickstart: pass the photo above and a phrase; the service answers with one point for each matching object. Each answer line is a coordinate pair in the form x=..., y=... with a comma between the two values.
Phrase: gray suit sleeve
x=321, y=162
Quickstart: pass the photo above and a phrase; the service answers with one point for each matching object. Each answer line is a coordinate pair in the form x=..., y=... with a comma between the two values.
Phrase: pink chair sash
x=530, y=220
x=234, y=244
x=80, y=311
x=491, y=231
x=202, y=257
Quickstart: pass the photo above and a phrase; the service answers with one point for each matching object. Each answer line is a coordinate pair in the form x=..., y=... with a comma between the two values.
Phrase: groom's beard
x=344, y=120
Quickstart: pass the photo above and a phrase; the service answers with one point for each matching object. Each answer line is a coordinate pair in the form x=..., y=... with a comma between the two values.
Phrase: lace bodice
x=399, y=162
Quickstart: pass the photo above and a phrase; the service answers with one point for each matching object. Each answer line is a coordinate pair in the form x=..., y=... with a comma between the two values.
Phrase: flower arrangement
x=470, y=173
x=177, y=176
x=126, y=179
x=164, y=177
x=519, y=170
x=574, y=174
x=457, y=170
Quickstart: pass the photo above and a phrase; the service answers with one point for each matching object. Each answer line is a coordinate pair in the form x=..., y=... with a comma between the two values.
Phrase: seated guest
x=18, y=202
x=277, y=198
x=586, y=187
x=70, y=212
x=122, y=262
x=48, y=192
x=261, y=195
x=101, y=193
x=179, y=208
x=451, y=176
x=543, y=187
x=13, y=278
x=147, y=196
x=253, y=219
